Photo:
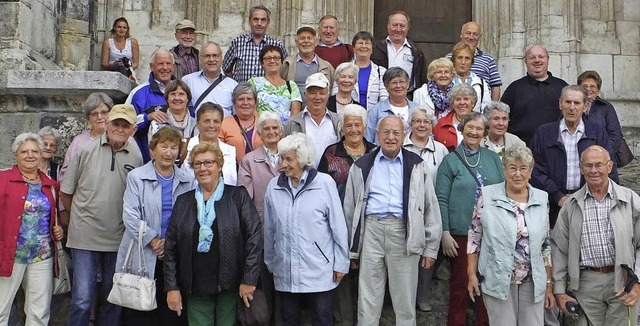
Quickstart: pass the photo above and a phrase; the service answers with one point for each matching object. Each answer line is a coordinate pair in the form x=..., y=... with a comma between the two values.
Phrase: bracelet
x=549, y=281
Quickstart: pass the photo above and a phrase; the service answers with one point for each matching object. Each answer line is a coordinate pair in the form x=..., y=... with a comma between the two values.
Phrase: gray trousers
x=597, y=297
x=519, y=308
x=383, y=256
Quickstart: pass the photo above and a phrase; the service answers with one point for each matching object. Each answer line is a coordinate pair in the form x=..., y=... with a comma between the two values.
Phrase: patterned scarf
x=439, y=98
x=207, y=215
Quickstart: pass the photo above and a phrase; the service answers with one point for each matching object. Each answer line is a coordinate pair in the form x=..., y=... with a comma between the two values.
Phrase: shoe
x=424, y=307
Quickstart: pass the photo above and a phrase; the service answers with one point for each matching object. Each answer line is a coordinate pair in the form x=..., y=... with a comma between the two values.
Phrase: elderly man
x=242, y=58
x=557, y=146
x=498, y=139
x=398, y=51
x=185, y=55
x=484, y=65
x=301, y=65
x=330, y=47
x=150, y=95
x=93, y=188
x=210, y=84
x=596, y=238
x=320, y=124
x=394, y=222
x=533, y=98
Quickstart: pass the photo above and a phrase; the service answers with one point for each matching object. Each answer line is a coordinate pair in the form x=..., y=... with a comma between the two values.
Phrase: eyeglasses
x=512, y=170
x=211, y=56
x=207, y=164
x=395, y=133
x=274, y=58
x=95, y=114
x=421, y=121
x=398, y=83
x=598, y=166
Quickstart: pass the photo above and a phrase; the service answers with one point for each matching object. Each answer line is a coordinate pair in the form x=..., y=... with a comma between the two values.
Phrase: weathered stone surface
x=625, y=75
x=74, y=51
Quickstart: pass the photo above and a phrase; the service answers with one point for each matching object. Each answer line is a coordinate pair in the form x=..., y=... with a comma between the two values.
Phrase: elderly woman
x=239, y=129
x=510, y=236
x=461, y=175
x=434, y=94
x=498, y=139
x=51, y=139
x=274, y=93
x=305, y=234
x=396, y=80
x=370, y=89
x=27, y=251
x=213, y=245
x=462, y=57
x=462, y=98
x=151, y=192
x=178, y=95
x=599, y=110
x=209, y=119
x=346, y=78
x=96, y=109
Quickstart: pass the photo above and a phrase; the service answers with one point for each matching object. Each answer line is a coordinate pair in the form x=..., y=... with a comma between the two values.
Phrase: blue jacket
x=143, y=204
x=375, y=114
x=305, y=237
x=602, y=112
x=497, y=249
x=144, y=97
x=550, y=170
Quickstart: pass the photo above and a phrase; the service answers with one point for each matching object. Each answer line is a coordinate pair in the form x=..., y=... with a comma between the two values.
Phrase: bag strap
x=183, y=152
x=468, y=168
x=208, y=90
x=244, y=133
x=143, y=262
x=288, y=86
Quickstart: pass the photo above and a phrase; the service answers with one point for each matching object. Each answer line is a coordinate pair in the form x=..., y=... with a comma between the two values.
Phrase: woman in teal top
x=460, y=177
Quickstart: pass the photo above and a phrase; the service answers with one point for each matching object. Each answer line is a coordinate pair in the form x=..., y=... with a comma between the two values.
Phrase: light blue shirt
x=385, y=194
x=303, y=179
x=221, y=94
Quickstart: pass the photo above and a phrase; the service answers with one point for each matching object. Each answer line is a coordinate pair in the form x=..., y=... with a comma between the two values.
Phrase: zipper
x=323, y=255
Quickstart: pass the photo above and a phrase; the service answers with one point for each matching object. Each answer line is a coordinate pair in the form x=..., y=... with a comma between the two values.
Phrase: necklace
x=169, y=178
x=469, y=164
x=343, y=104
x=253, y=119
x=353, y=150
x=30, y=179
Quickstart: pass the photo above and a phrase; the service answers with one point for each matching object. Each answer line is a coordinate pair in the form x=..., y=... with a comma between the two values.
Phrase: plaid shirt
x=597, y=242
x=243, y=56
x=189, y=60
x=573, y=157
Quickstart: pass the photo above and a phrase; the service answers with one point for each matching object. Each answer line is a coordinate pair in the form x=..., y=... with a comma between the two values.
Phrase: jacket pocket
x=321, y=252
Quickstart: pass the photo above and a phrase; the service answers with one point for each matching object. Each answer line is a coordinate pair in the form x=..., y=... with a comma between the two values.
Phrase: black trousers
x=319, y=303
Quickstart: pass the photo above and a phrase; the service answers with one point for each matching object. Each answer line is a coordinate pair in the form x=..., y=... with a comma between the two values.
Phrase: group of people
x=340, y=168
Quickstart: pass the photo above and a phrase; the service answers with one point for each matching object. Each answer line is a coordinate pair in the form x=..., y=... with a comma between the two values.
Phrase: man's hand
x=354, y=264
x=157, y=245
x=427, y=262
x=174, y=301
x=337, y=276
x=561, y=301
x=449, y=245
x=563, y=200
x=630, y=299
x=549, y=299
x=246, y=293
x=158, y=116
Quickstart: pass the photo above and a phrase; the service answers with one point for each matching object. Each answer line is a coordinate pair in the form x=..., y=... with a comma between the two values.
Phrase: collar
x=306, y=112
x=338, y=42
x=406, y=42
x=430, y=146
x=478, y=52
x=105, y=142
x=534, y=81
x=249, y=38
x=380, y=156
x=182, y=51
x=220, y=75
x=299, y=58
x=563, y=126
x=609, y=191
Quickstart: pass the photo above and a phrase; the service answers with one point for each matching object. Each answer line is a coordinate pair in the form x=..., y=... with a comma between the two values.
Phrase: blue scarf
x=439, y=98
x=206, y=215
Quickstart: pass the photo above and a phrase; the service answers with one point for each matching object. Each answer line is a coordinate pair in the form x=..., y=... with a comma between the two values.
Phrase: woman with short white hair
x=305, y=234
x=498, y=139
x=346, y=78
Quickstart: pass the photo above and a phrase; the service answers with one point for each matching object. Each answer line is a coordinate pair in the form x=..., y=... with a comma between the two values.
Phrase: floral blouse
x=522, y=258
x=276, y=99
x=34, y=239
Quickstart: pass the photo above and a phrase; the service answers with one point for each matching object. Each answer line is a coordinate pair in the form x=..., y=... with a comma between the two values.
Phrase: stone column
x=204, y=14
x=75, y=37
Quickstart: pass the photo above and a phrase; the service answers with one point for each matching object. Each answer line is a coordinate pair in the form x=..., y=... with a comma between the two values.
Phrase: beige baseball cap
x=185, y=23
x=123, y=111
x=306, y=29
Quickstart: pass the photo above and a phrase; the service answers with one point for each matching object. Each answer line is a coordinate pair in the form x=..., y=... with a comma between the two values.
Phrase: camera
x=126, y=62
x=573, y=307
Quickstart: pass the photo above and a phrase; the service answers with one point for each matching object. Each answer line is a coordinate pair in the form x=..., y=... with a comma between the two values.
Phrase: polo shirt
x=221, y=94
x=97, y=178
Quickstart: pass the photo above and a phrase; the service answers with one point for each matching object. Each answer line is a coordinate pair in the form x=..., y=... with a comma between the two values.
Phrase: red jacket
x=13, y=194
x=446, y=133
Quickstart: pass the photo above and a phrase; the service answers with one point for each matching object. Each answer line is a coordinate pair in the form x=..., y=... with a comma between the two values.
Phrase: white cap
x=316, y=80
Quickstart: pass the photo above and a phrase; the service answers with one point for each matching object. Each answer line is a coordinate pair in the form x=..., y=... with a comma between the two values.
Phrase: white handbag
x=134, y=291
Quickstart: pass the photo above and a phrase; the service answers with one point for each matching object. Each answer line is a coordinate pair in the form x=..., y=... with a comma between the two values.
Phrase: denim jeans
x=85, y=269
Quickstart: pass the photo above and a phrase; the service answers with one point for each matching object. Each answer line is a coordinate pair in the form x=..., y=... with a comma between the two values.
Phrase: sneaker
x=424, y=307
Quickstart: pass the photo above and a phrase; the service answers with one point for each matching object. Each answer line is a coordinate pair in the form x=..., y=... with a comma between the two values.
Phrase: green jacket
x=456, y=187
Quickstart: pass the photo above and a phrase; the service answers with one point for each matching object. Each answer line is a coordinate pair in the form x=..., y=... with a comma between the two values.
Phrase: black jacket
x=418, y=71
x=239, y=232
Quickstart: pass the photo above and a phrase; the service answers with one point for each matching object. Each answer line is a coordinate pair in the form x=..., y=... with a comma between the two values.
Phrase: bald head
x=595, y=166
x=537, y=61
x=470, y=34
x=595, y=150
x=391, y=133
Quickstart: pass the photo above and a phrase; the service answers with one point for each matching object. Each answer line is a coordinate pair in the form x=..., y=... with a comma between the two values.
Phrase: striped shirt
x=570, y=143
x=597, y=242
x=484, y=65
x=243, y=56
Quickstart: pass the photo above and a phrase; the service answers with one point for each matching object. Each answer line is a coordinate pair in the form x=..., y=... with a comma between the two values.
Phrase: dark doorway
x=434, y=26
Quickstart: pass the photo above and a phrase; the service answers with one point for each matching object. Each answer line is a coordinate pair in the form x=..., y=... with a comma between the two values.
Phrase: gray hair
x=162, y=51
x=574, y=88
x=268, y=116
x=473, y=116
x=244, y=88
x=462, y=89
x=495, y=105
x=25, y=137
x=95, y=99
x=518, y=153
x=207, y=43
x=392, y=73
x=424, y=109
x=298, y=142
x=260, y=7
x=346, y=65
x=352, y=110
x=49, y=131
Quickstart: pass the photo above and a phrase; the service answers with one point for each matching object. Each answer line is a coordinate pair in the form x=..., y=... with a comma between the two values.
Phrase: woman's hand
x=157, y=245
x=337, y=276
x=473, y=287
x=449, y=245
x=174, y=301
x=427, y=262
x=246, y=293
x=58, y=233
x=549, y=298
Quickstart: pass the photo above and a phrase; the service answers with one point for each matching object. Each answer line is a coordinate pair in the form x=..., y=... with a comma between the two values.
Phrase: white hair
x=424, y=109
x=353, y=110
x=268, y=116
x=161, y=51
x=344, y=66
x=49, y=131
x=25, y=137
x=304, y=149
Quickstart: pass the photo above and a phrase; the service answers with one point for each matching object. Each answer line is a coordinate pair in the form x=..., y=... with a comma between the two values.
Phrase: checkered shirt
x=243, y=56
x=597, y=242
x=570, y=143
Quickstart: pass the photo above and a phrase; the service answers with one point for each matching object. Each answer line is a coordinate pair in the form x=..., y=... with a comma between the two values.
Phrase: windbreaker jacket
x=305, y=236
x=421, y=212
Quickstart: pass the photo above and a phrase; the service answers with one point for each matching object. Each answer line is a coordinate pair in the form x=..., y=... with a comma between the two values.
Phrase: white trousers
x=37, y=281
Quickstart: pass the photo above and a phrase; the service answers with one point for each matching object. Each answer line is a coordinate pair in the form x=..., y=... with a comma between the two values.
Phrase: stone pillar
x=203, y=13
x=75, y=37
